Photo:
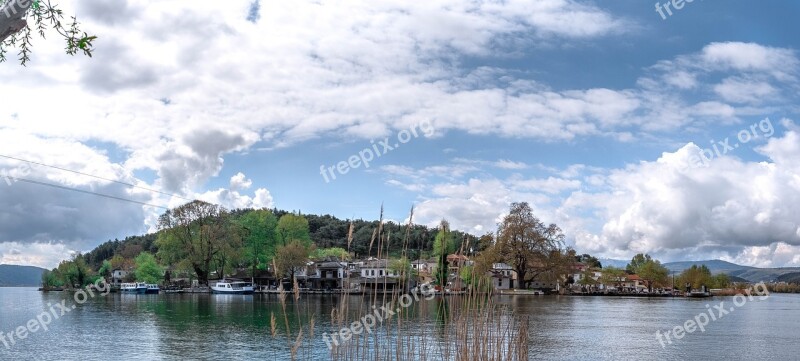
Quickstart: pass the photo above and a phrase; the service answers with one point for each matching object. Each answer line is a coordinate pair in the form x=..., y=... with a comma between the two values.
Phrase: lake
x=214, y=327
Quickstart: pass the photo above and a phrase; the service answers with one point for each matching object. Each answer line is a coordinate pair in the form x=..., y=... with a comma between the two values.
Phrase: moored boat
x=232, y=288
x=152, y=289
x=137, y=288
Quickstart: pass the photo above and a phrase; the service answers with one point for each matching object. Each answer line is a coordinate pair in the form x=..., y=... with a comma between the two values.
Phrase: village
x=370, y=275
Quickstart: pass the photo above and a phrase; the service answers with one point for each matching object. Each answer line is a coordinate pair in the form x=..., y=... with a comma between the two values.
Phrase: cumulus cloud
x=175, y=87
x=233, y=198
x=742, y=211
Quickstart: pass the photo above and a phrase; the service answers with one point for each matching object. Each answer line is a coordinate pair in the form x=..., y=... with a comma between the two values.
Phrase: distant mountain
x=20, y=276
x=767, y=274
x=738, y=272
x=618, y=263
x=793, y=277
x=716, y=266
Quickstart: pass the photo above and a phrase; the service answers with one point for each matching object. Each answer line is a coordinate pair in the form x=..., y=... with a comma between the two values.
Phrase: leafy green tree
x=443, y=245
x=698, y=276
x=105, y=269
x=720, y=281
x=147, y=269
x=198, y=232
x=637, y=261
x=322, y=253
x=259, y=237
x=75, y=273
x=292, y=227
x=402, y=267
x=20, y=20
x=51, y=279
x=649, y=270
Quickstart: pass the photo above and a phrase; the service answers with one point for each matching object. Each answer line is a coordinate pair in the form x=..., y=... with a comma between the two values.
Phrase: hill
x=20, y=276
x=738, y=272
x=716, y=266
x=793, y=277
x=766, y=274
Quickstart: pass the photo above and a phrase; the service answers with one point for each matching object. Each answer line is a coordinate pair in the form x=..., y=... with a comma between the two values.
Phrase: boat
x=152, y=289
x=698, y=294
x=232, y=288
x=137, y=288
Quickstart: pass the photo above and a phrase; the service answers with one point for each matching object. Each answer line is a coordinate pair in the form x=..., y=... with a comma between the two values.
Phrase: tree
x=16, y=32
x=612, y=276
x=291, y=257
x=527, y=244
x=147, y=269
x=259, y=239
x=720, y=281
x=322, y=253
x=587, y=279
x=697, y=276
x=105, y=270
x=591, y=261
x=637, y=261
x=75, y=273
x=293, y=227
x=51, y=279
x=196, y=232
x=649, y=270
x=443, y=245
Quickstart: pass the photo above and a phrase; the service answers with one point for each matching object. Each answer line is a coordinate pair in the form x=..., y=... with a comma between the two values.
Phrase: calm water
x=206, y=327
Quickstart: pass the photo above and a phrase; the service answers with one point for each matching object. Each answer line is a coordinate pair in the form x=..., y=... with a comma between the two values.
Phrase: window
x=380, y=273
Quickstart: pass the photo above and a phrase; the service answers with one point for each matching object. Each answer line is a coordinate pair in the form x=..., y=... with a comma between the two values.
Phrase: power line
x=96, y=176
x=83, y=191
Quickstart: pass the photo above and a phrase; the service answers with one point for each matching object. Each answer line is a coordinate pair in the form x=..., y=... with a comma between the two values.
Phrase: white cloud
x=739, y=90
x=240, y=182
x=732, y=209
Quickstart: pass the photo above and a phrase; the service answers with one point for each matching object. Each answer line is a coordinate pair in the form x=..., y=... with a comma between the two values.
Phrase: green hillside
x=20, y=276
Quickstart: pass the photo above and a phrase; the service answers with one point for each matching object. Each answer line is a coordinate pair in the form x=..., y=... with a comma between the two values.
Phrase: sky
x=635, y=128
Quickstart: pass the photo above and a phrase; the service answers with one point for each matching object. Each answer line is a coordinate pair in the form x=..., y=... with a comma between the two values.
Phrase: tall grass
x=464, y=327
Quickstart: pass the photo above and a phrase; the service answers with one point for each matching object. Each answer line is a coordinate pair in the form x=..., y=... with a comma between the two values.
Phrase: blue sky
x=596, y=113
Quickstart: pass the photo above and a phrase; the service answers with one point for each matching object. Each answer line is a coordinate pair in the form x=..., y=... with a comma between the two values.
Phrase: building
x=377, y=275
x=503, y=276
x=118, y=276
x=329, y=275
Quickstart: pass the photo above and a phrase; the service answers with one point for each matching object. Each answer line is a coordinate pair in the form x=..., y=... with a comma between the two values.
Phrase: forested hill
x=20, y=276
x=326, y=231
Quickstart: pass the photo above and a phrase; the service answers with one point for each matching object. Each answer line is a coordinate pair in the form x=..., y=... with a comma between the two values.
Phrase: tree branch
x=12, y=17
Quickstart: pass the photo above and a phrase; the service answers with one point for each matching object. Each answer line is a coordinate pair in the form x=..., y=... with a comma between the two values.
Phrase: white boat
x=232, y=288
x=137, y=288
x=152, y=289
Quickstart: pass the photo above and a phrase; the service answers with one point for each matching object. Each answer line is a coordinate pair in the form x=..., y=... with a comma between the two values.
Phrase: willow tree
x=21, y=20
x=197, y=233
x=528, y=245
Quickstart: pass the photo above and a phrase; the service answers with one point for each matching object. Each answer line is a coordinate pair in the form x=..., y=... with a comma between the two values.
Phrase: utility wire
x=95, y=176
x=83, y=191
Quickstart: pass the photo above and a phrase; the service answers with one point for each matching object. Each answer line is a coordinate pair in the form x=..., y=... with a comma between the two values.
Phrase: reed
x=466, y=327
